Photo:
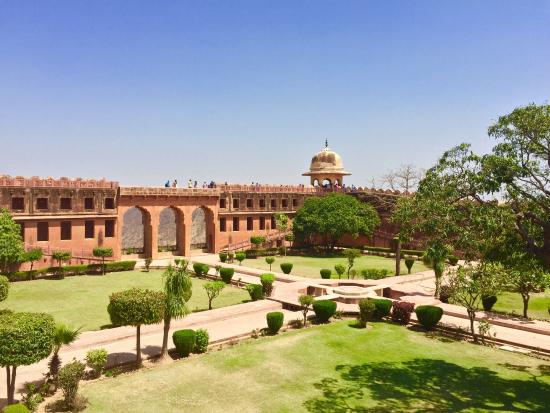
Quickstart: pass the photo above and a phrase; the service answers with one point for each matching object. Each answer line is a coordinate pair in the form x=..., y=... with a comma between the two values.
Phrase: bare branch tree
x=404, y=179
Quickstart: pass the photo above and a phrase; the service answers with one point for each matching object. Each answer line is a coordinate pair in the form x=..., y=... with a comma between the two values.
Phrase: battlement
x=63, y=182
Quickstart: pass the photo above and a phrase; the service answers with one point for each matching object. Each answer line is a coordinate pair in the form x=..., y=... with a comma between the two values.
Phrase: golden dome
x=326, y=162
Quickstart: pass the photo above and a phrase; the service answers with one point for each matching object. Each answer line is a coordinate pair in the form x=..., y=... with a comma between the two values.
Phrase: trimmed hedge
x=226, y=274
x=223, y=256
x=366, y=311
x=324, y=310
x=401, y=311
x=428, y=315
x=286, y=267
x=267, y=283
x=382, y=307
x=275, y=321
x=374, y=273
x=488, y=302
x=256, y=291
x=184, y=341
x=83, y=269
x=202, y=339
x=200, y=269
x=16, y=408
x=326, y=274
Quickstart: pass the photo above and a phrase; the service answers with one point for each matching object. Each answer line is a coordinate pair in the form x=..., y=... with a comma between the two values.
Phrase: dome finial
x=326, y=143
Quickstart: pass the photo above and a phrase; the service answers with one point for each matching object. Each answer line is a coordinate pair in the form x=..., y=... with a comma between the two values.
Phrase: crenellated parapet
x=63, y=182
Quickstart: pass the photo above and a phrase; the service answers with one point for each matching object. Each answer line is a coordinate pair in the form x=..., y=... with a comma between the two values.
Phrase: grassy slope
x=388, y=368
x=310, y=266
x=82, y=300
x=512, y=303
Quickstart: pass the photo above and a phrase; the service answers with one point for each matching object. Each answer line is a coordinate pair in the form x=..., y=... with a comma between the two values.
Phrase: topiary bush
x=200, y=269
x=184, y=341
x=240, y=256
x=275, y=321
x=409, y=262
x=256, y=291
x=4, y=287
x=267, y=283
x=428, y=315
x=325, y=274
x=230, y=256
x=69, y=378
x=374, y=273
x=286, y=267
x=227, y=274
x=324, y=310
x=270, y=261
x=16, y=408
x=488, y=302
x=97, y=360
x=401, y=311
x=366, y=311
x=382, y=307
x=223, y=256
x=202, y=339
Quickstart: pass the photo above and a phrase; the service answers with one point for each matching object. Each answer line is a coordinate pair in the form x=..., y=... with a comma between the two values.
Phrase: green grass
x=334, y=368
x=310, y=266
x=513, y=304
x=82, y=300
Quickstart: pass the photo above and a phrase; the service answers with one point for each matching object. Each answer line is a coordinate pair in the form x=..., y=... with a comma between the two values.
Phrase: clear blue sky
x=243, y=91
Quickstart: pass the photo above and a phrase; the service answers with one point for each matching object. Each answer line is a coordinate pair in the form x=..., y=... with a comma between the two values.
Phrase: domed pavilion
x=326, y=166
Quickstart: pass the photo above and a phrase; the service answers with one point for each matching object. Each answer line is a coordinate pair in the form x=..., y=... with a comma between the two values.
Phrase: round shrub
x=200, y=269
x=256, y=291
x=488, y=302
x=267, y=283
x=16, y=408
x=4, y=287
x=274, y=321
x=286, y=267
x=227, y=274
x=270, y=261
x=366, y=311
x=428, y=315
x=324, y=309
x=409, y=262
x=382, y=307
x=325, y=274
x=184, y=341
x=223, y=256
x=97, y=360
x=401, y=311
x=240, y=256
x=202, y=339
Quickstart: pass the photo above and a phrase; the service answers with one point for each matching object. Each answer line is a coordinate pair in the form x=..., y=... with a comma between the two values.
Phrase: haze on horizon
x=242, y=91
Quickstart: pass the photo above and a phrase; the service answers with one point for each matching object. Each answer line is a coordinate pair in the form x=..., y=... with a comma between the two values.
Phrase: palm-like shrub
x=275, y=321
x=63, y=336
x=324, y=310
x=428, y=315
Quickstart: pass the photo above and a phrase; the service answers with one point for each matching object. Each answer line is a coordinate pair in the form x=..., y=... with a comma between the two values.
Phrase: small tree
x=351, y=254
x=270, y=261
x=178, y=289
x=290, y=238
x=69, y=378
x=306, y=301
x=240, y=256
x=61, y=257
x=135, y=307
x=32, y=256
x=282, y=225
x=103, y=253
x=64, y=335
x=468, y=284
x=25, y=338
x=409, y=262
x=257, y=240
x=437, y=254
x=11, y=242
x=213, y=290
x=340, y=269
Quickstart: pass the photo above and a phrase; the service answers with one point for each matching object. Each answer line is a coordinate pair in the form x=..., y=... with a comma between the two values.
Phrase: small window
x=88, y=229
x=42, y=203
x=294, y=202
x=223, y=203
x=18, y=203
x=262, y=222
x=65, y=203
x=249, y=224
x=274, y=203
x=285, y=203
x=235, y=223
x=273, y=224
x=88, y=203
x=235, y=203
x=223, y=225
x=66, y=230
x=262, y=203
x=109, y=228
x=42, y=231
x=109, y=203
x=249, y=203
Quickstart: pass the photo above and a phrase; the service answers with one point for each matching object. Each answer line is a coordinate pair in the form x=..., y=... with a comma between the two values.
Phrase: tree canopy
x=11, y=242
x=329, y=217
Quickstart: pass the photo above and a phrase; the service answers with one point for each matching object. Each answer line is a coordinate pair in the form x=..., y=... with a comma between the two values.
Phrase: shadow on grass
x=424, y=385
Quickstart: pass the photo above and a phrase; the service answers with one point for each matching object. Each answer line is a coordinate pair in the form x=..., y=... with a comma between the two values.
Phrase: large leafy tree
x=25, y=338
x=329, y=217
x=11, y=242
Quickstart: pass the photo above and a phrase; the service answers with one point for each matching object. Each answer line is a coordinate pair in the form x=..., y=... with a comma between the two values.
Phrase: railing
x=241, y=245
x=162, y=191
x=38, y=182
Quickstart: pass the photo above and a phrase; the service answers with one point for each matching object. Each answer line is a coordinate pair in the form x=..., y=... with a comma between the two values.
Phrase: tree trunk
x=438, y=276
x=165, y=332
x=138, y=345
x=398, y=257
x=525, y=298
x=10, y=379
x=210, y=303
x=472, y=316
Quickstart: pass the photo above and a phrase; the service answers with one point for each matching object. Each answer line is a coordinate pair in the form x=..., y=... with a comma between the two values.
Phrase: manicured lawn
x=334, y=368
x=82, y=300
x=310, y=266
x=512, y=303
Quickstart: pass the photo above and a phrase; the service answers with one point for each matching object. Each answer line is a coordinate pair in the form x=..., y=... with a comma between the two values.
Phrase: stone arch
x=326, y=181
x=170, y=231
x=136, y=232
x=315, y=182
x=202, y=230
